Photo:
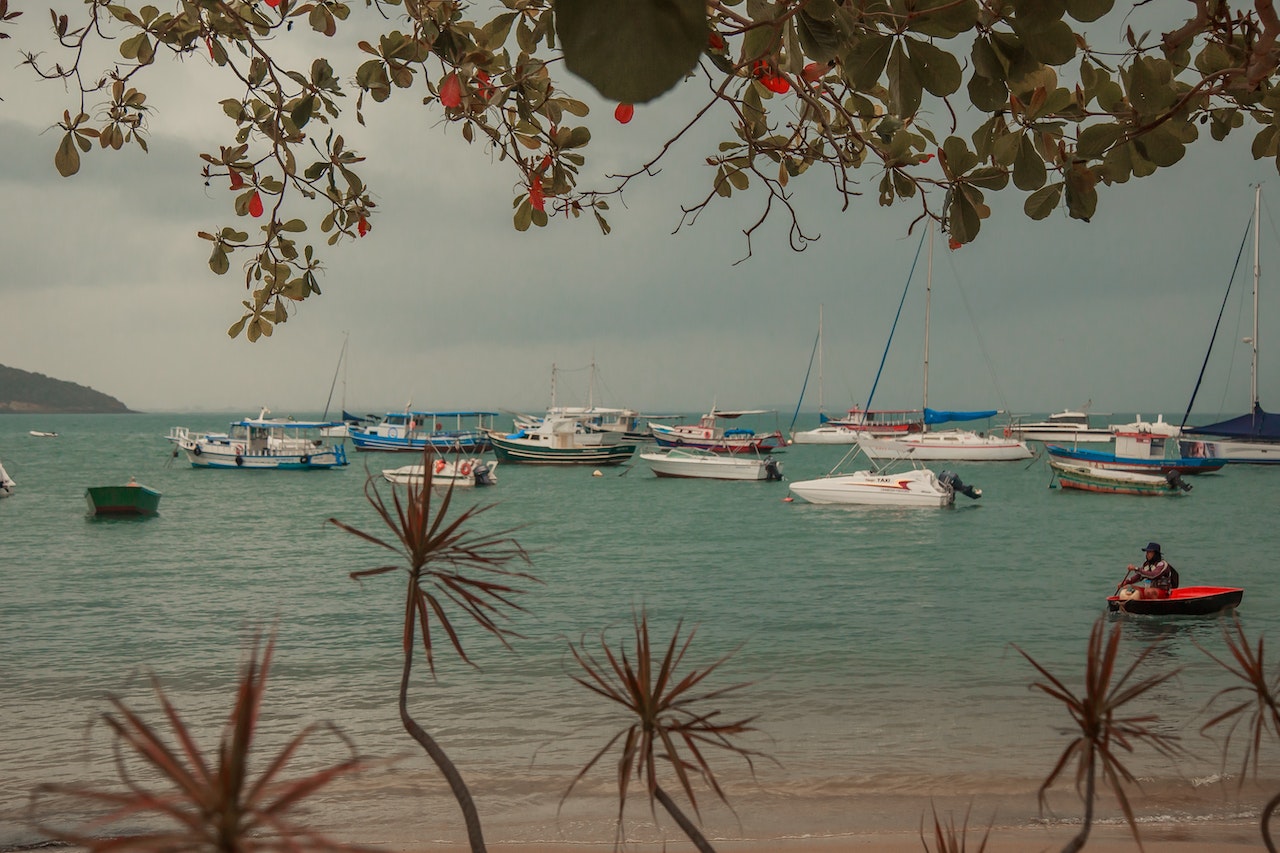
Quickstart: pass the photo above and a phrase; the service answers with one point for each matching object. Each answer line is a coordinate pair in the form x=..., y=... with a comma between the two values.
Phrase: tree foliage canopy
x=938, y=102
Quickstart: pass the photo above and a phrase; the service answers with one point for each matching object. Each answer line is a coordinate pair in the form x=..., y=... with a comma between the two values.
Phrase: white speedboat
x=694, y=462
x=7, y=485
x=913, y=485
x=459, y=473
x=263, y=443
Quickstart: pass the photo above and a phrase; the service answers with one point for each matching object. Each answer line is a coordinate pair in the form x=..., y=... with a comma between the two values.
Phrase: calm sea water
x=879, y=643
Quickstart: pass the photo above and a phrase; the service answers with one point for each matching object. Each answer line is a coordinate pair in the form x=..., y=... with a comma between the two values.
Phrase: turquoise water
x=878, y=643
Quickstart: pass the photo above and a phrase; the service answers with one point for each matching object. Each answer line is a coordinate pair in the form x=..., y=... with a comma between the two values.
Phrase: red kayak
x=1183, y=601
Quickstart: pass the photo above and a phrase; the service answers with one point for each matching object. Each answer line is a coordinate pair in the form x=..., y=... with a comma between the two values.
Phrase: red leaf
x=536, y=198
x=715, y=41
x=485, y=88
x=451, y=91
x=775, y=83
x=624, y=112
x=208, y=42
x=255, y=205
x=273, y=3
x=813, y=72
x=362, y=226
x=546, y=162
x=236, y=181
x=954, y=244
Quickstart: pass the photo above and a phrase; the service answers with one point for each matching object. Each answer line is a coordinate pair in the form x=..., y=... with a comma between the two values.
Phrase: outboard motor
x=959, y=485
x=484, y=476
x=1175, y=480
x=771, y=469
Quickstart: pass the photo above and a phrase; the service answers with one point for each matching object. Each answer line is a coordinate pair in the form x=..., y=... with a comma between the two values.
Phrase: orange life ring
x=239, y=450
x=439, y=465
x=465, y=469
x=1007, y=432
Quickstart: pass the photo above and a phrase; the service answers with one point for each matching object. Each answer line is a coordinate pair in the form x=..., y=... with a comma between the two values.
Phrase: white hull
x=463, y=473
x=1252, y=452
x=825, y=435
x=1064, y=436
x=683, y=463
x=946, y=446
x=7, y=485
x=908, y=488
x=262, y=444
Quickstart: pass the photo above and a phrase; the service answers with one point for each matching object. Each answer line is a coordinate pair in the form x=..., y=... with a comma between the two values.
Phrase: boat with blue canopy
x=415, y=430
x=263, y=443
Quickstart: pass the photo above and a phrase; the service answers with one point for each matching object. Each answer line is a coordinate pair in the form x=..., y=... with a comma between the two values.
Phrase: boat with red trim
x=1181, y=601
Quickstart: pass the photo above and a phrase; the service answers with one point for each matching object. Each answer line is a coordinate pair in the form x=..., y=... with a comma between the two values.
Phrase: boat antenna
x=809, y=370
x=896, y=316
x=1252, y=224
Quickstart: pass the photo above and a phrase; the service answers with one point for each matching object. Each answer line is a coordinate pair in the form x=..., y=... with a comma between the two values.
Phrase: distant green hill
x=36, y=393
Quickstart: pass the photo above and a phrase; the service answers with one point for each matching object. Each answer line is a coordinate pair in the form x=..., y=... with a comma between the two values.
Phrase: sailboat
x=1250, y=438
x=856, y=421
x=948, y=444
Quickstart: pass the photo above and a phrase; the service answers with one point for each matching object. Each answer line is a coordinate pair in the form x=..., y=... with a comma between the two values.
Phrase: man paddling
x=1159, y=576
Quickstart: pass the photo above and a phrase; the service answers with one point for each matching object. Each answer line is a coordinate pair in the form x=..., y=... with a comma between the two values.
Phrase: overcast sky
x=445, y=305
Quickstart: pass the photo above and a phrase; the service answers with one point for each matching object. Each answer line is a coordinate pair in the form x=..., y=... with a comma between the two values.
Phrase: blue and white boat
x=411, y=430
x=263, y=443
x=1144, y=453
x=7, y=485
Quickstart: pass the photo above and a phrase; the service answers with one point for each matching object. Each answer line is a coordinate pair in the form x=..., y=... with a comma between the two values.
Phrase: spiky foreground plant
x=1102, y=731
x=670, y=724
x=205, y=804
x=446, y=564
x=949, y=838
x=1258, y=709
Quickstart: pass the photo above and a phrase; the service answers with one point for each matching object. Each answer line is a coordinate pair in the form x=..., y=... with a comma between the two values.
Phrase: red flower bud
x=362, y=226
x=451, y=91
x=273, y=3
x=954, y=244
x=255, y=205
x=624, y=112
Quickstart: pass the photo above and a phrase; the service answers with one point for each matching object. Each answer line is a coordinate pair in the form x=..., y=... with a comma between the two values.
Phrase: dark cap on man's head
x=1152, y=546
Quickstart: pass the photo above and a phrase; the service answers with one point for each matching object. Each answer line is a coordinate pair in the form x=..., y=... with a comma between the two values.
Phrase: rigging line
x=342, y=354
x=885, y=354
x=982, y=346
x=1244, y=241
x=817, y=338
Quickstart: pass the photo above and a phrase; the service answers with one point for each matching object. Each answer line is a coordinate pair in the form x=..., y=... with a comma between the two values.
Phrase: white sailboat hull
x=946, y=446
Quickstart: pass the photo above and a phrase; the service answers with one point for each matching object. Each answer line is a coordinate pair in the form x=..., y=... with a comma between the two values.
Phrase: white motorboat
x=7, y=485
x=263, y=443
x=697, y=463
x=1064, y=427
x=459, y=473
x=912, y=487
x=559, y=440
x=1158, y=427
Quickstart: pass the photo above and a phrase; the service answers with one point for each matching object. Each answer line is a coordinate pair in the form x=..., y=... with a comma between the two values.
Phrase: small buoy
x=596, y=473
x=788, y=499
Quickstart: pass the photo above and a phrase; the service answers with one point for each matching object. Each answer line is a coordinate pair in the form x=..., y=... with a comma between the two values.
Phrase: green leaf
x=1088, y=10
x=820, y=37
x=1042, y=202
x=1264, y=144
x=1097, y=139
x=237, y=327
x=631, y=51
x=219, y=264
x=301, y=114
x=959, y=159
x=524, y=214
x=905, y=91
x=943, y=18
x=1082, y=193
x=67, y=160
x=1029, y=172
x=937, y=70
x=865, y=60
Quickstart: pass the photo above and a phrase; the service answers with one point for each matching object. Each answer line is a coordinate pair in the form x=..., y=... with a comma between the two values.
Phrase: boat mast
x=1257, y=273
x=928, y=293
x=822, y=408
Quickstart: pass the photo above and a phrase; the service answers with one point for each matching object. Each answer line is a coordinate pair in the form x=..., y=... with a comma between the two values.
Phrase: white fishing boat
x=1066, y=427
x=458, y=473
x=709, y=434
x=558, y=440
x=413, y=430
x=694, y=462
x=7, y=485
x=263, y=443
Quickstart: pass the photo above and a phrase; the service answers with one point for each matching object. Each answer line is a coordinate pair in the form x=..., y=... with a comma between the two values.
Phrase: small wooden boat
x=1088, y=478
x=692, y=462
x=133, y=499
x=1183, y=601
